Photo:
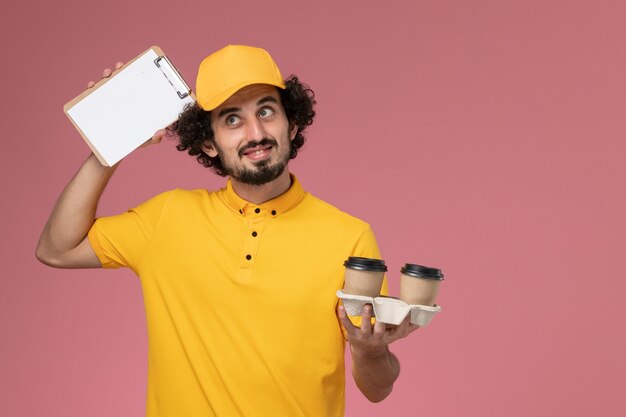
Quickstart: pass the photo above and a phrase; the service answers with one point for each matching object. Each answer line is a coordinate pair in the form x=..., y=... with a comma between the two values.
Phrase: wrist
x=369, y=353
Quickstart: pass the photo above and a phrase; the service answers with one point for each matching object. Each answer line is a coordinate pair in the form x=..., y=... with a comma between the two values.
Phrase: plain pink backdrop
x=483, y=137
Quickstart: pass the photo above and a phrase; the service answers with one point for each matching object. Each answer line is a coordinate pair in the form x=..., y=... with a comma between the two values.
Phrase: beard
x=263, y=172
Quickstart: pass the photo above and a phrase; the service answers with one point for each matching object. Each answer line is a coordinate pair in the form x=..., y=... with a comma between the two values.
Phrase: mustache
x=262, y=142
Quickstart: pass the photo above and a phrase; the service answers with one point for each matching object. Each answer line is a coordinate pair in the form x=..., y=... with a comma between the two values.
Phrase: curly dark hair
x=194, y=124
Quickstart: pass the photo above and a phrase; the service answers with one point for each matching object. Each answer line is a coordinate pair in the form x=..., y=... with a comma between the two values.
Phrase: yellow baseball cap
x=232, y=68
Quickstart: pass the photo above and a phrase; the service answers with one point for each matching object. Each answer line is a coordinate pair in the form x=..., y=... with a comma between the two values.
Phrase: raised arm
x=63, y=242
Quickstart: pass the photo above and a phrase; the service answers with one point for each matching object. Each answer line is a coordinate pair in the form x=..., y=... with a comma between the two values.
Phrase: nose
x=255, y=130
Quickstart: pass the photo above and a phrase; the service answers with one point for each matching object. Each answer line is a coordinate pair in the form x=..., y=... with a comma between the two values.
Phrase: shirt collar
x=276, y=206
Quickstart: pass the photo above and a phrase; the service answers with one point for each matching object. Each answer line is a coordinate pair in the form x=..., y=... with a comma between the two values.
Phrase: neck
x=258, y=194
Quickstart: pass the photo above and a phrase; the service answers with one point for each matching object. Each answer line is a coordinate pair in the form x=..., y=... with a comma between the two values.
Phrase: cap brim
x=220, y=98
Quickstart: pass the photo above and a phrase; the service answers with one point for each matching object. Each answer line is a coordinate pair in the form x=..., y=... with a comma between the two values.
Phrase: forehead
x=248, y=96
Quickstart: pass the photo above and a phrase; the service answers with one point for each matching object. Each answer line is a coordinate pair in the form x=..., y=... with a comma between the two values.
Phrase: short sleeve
x=123, y=240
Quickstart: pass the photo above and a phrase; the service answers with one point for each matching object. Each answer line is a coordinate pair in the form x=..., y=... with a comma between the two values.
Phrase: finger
x=400, y=331
x=366, y=319
x=380, y=329
x=170, y=132
x=90, y=84
x=156, y=138
x=345, y=321
x=118, y=65
x=413, y=327
x=107, y=73
x=158, y=135
x=410, y=327
x=403, y=327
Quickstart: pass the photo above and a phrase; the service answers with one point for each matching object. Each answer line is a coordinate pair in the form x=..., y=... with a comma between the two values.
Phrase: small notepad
x=120, y=113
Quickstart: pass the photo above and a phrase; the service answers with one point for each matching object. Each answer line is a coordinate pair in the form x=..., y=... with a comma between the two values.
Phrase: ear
x=209, y=149
x=293, y=130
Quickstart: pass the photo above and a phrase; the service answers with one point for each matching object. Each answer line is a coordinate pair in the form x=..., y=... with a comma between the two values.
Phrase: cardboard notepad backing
x=120, y=113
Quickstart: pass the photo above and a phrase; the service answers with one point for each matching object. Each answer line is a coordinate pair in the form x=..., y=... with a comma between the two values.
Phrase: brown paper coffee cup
x=419, y=284
x=364, y=276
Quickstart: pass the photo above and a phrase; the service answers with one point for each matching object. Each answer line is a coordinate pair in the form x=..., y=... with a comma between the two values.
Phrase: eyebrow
x=228, y=110
x=268, y=99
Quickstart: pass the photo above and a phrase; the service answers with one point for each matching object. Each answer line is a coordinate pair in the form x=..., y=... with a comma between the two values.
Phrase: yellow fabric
x=232, y=68
x=230, y=336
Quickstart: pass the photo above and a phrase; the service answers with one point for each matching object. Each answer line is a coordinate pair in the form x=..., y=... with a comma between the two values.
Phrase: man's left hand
x=372, y=341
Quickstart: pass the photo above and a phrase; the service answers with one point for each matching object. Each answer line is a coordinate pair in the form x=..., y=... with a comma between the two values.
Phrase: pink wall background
x=482, y=137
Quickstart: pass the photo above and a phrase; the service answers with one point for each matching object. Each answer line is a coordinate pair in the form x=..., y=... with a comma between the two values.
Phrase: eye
x=266, y=112
x=232, y=120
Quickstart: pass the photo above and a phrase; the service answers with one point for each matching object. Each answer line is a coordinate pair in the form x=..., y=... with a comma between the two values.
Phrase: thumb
x=156, y=138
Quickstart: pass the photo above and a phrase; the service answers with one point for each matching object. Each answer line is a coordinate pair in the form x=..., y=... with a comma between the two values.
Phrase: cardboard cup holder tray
x=388, y=309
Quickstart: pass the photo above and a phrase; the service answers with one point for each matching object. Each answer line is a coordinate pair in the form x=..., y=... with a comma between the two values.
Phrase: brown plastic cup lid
x=365, y=264
x=420, y=271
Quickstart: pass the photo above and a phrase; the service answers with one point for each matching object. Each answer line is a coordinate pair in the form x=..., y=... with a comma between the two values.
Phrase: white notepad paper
x=120, y=114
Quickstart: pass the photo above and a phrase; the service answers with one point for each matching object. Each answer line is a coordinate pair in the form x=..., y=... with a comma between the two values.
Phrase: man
x=239, y=284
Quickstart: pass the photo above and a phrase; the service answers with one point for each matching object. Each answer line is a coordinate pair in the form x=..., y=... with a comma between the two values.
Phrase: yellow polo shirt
x=240, y=299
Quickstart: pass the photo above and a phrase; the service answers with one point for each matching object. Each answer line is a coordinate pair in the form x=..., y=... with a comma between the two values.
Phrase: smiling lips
x=258, y=153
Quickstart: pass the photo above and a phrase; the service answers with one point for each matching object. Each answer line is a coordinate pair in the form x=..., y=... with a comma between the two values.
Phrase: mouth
x=258, y=152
